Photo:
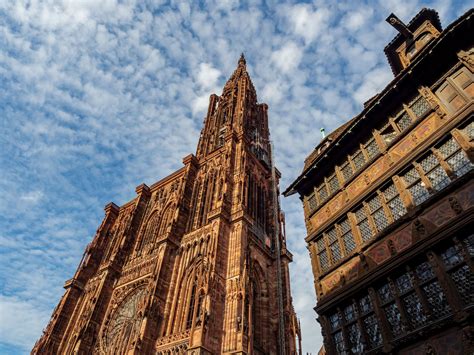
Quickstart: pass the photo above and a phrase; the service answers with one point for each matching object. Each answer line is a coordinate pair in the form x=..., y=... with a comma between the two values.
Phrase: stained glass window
x=124, y=323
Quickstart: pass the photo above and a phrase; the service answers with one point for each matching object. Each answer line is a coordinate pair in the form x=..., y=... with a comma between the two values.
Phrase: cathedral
x=196, y=263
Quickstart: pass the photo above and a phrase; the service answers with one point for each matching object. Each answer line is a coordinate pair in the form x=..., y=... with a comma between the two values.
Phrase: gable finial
x=398, y=24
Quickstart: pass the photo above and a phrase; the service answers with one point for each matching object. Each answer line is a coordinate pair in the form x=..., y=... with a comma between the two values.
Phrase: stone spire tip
x=242, y=60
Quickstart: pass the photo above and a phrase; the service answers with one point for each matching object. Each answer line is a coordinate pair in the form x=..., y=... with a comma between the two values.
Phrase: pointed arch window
x=195, y=305
x=150, y=231
x=192, y=300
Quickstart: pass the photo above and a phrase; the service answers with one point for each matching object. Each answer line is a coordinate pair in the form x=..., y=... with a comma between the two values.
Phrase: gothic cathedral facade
x=196, y=263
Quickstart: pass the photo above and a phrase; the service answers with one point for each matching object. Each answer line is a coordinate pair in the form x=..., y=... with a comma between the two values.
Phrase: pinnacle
x=242, y=60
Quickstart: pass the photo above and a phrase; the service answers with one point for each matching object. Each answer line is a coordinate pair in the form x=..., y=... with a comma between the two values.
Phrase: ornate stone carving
x=124, y=323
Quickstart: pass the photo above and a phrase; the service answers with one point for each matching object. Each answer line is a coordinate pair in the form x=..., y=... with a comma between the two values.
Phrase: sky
x=97, y=97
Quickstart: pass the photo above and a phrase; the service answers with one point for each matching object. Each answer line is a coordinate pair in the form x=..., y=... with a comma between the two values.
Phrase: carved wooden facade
x=189, y=266
x=389, y=200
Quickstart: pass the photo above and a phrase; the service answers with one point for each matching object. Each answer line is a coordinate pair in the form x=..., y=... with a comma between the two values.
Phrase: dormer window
x=411, y=38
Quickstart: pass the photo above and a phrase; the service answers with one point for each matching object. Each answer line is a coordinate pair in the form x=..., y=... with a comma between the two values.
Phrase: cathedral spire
x=242, y=61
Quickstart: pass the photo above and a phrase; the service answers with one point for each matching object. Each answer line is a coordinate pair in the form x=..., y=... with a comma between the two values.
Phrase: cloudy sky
x=97, y=97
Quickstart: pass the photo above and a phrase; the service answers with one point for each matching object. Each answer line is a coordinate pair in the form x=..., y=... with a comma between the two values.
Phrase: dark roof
x=392, y=57
x=320, y=148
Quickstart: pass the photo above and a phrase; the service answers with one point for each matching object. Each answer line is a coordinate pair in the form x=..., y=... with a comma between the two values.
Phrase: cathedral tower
x=196, y=263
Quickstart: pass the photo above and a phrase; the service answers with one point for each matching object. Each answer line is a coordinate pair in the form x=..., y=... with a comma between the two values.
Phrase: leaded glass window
x=469, y=131
x=358, y=159
x=334, y=245
x=335, y=320
x=459, y=273
x=434, y=172
x=322, y=192
x=437, y=299
x=420, y=106
x=347, y=236
x=451, y=257
x=333, y=183
x=312, y=202
x=385, y=293
x=349, y=313
x=346, y=170
x=373, y=331
x=394, y=319
x=372, y=148
x=338, y=342
x=363, y=224
x=403, y=121
x=365, y=304
x=388, y=133
x=424, y=271
x=414, y=309
x=469, y=242
x=404, y=283
x=416, y=187
x=393, y=201
x=455, y=157
x=378, y=213
x=355, y=339
x=323, y=257
x=464, y=281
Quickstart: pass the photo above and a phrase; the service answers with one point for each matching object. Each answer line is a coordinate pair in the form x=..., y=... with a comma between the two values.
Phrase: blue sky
x=97, y=97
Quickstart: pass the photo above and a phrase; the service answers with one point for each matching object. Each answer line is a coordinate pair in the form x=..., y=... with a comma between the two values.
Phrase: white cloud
x=20, y=320
x=287, y=57
x=32, y=197
x=307, y=23
x=208, y=75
